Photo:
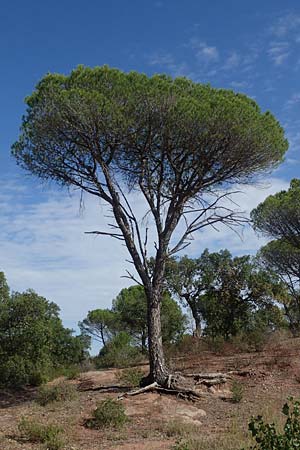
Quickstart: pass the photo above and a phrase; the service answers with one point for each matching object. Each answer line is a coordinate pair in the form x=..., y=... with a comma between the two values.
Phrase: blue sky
x=252, y=47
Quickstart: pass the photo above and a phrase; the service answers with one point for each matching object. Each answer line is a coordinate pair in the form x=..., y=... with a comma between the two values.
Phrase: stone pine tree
x=179, y=145
x=278, y=217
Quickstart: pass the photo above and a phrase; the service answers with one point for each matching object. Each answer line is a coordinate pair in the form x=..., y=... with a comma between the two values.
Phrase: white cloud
x=279, y=52
x=240, y=84
x=232, y=62
x=204, y=53
x=286, y=24
x=161, y=59
x=293, y=100
x=167, y=62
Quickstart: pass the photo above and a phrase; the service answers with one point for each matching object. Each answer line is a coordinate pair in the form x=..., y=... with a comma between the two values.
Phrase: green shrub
x=237, y=392
x=181, y=445
x=130, y=377
x=268, y=438
x=72, y=373
x=55, y=393
x=119, y=352
x=49, y=435
x=109, y=414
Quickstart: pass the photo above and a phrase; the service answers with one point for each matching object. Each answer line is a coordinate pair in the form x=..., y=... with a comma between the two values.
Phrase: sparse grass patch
x=109, y=414
x=55, y=393
x=130, y=377
x=48, y=435
x=177, y=428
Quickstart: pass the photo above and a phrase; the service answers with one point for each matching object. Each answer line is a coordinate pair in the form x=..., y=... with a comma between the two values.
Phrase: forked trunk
x=158, y=368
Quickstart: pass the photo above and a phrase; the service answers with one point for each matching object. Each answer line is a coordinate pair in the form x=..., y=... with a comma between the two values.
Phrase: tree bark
x=197, y=331
x=158, y=369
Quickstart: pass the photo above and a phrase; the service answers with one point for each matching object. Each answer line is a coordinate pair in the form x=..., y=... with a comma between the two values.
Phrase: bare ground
x=157, y=421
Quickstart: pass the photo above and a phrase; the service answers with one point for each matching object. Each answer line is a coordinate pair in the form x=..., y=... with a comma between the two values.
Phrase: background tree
x=180, y=145
x=224, y=293
x=239, y=290
x=100, y=324
x=190, y=278
x=4, y=289
x=33, y=340
x=130, y=306
x=278, y=217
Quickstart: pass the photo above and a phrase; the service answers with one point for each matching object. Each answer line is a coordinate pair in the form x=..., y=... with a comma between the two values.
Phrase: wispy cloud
x=204, y=52
x=287, y=23
x=232, y=62
x=293, y=100
x=279, y=52
x=166, y=61
x=43, y=246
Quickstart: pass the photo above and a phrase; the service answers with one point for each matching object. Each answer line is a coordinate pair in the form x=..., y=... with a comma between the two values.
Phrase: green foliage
x=130, y=308
x=4, y=289
x=129, y=316
x=130, y=377
x=33, y=341
x=72, y=372
x=119, y=352
x=268, y=438
x=62, y=110
x=100, y=324
x=49, y=435
x=175, y=141
x=237, y=391
x=181, y=445
x=227, y=294
x=59, y=392
x=278, y=217
x=109, y=414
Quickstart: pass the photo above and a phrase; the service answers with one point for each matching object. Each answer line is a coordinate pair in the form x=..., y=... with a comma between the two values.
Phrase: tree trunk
x=144, y=337
x=197, y=331
x=158, y=368
x=197, y=319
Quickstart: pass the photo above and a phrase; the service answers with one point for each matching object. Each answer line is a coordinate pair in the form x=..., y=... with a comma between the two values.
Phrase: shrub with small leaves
x=130, y=377
x=268, y=438
x=49, y=435
x=59, y=392
x=181, y=445
x=72, y=372
x=237, y=392
x=109, y=414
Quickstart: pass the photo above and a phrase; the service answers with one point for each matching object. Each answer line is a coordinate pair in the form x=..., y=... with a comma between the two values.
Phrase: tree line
x=227, y=296
x=34, y=344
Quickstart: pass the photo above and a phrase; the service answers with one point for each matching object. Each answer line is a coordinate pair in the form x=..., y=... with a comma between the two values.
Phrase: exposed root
x=175, y=384
x=183, y=386
x=150, y=387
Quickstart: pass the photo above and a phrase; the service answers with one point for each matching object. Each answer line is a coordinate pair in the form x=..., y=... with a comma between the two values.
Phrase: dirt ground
x=157, y=421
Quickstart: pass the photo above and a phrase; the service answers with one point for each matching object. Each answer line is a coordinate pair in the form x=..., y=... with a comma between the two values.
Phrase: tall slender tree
x=180, y=145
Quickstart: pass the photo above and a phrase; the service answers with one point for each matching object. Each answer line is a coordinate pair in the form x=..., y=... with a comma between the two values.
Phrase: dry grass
x=223, y=428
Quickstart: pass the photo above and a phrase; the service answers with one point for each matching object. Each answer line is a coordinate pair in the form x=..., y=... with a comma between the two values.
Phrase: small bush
x=237, y=392
x=181, y=445
x=49, y=435
x=119, y=352
x=130, y=376
x=268, y=438
x=55, y=393
x=72, y=373
x=109, y=414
